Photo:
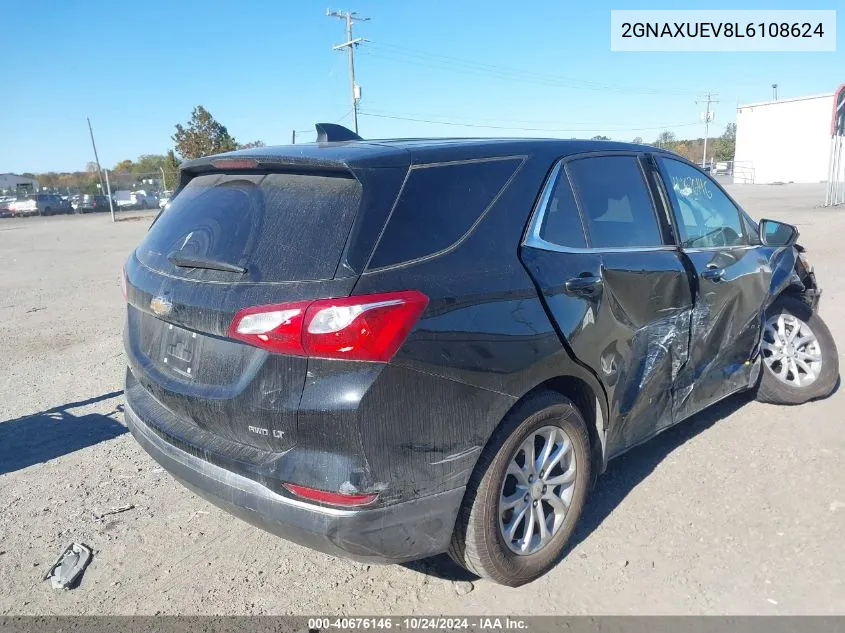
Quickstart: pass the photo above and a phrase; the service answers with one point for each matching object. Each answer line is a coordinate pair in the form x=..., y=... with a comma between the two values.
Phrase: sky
x=264, y=68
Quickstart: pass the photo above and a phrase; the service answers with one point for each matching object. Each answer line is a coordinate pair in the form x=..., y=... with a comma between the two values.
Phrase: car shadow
x=625, y=472
x=441, y=566
x=42, y=436
x=622, y=476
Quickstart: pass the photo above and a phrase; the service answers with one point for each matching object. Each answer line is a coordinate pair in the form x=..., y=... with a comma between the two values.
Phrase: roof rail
x=332, y=132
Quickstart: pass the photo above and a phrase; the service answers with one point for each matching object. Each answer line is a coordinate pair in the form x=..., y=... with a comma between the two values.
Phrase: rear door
x=615, y=286
x=735, y=279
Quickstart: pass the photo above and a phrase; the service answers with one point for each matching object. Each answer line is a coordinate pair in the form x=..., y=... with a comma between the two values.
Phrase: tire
x=47, y=211
x=787, y=390
x=478, y=542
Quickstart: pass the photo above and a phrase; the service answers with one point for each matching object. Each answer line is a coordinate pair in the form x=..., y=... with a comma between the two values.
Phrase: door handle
x=713, y=273
x=587, y=286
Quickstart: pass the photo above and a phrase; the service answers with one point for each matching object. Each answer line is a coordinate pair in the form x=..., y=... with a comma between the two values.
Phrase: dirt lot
x=740, y=510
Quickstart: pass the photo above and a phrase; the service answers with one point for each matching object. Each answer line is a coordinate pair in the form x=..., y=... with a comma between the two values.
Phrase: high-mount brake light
x=235, y=163
x=367, y=327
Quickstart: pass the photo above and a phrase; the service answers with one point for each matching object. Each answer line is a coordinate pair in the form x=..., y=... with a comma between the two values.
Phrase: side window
x=705, y=216
x=561, y=220
x=614, y=199
x=438, y=205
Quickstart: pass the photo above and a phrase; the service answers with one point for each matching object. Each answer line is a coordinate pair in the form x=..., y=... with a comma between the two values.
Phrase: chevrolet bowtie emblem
x=162, y=306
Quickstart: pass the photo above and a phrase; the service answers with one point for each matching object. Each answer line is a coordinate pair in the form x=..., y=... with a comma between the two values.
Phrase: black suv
x=391, y=349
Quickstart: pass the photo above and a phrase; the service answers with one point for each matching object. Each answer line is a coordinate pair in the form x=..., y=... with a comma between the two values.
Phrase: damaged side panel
x=727, y=320
x=633, y=332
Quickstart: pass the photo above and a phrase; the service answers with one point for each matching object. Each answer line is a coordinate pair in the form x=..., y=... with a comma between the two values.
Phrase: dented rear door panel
x=648, y=300
x=633, y=333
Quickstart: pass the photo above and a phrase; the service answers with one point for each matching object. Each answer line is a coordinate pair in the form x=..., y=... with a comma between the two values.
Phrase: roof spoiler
x=331, y=132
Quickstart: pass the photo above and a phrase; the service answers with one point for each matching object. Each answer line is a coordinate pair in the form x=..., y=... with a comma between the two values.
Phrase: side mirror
x=774, y=233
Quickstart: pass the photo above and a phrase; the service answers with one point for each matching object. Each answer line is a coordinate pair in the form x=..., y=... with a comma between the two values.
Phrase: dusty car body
x=552, y=304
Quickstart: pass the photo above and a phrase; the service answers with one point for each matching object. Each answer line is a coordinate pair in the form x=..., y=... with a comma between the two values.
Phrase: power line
x=526, y=129
x=445, y=62
x=518, y=76
x=349, y=45
x=348, y=112
x=586, y=125
x=313, y=131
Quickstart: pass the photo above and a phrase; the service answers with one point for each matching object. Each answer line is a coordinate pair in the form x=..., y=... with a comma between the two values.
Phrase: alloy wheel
x=791, y=350
x=537, y=491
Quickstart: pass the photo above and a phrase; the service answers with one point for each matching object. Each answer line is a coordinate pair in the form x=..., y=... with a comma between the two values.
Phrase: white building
x=11, y=183
x=784, y=141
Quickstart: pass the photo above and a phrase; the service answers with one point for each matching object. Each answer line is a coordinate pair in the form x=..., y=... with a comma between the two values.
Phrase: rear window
x=437, y=207
x=280, y=227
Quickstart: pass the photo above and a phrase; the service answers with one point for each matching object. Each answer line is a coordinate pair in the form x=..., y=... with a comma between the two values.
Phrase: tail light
x=368, y=327
x=334, y=498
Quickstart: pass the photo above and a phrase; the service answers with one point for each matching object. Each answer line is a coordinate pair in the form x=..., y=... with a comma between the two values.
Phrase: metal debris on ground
x=462, y=587
x=196, y=514
x=116, y=510
x=69, y=566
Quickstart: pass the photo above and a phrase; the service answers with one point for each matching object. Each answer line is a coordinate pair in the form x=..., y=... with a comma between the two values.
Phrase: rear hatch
x=232, y=240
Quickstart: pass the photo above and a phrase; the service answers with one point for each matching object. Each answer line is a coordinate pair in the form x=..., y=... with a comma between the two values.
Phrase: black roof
x=404, y=151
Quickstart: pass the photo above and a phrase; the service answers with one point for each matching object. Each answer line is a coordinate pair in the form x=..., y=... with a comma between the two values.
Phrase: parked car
x=40, y=204
x=123, y=199
x=5, y=202
x=89, y=202
x=164, y=199
x=144, y=200
x=135, y=200
x=391, y=350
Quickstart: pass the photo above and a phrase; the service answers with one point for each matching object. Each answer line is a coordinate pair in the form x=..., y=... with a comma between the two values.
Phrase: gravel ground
x=740, y=510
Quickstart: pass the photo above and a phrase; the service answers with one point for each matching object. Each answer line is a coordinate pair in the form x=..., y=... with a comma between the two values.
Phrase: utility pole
x=111, y=202
x=708, y=117
x=96, y=158
x=349, y=45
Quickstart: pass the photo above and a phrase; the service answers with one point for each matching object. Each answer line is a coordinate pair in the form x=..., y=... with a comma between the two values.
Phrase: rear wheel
x=526, y=494
x=800, y=360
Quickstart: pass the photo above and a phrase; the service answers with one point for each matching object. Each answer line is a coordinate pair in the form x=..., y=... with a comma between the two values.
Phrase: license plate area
x=180, y=349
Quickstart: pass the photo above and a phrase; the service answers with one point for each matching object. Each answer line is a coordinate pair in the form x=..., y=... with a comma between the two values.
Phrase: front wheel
x=526, y=493
x=800, y=360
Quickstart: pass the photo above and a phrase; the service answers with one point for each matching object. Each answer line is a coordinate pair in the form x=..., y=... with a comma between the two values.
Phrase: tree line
x=720, y=148
x=203, y=135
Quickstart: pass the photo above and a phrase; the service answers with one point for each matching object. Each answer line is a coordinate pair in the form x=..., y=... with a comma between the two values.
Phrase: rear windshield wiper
x=192, y=261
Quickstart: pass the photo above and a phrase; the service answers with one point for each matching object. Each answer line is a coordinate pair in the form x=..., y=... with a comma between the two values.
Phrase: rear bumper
x=391, y=534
